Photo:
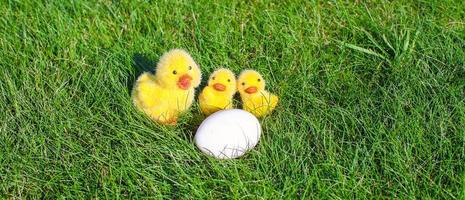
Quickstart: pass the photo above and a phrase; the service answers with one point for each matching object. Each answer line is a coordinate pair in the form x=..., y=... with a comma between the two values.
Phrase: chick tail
x=143, y=77
x=274, y=101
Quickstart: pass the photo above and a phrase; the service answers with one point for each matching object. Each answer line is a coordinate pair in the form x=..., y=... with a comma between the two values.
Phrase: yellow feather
x=212, y=100
x=159, y=96
x=260, y=102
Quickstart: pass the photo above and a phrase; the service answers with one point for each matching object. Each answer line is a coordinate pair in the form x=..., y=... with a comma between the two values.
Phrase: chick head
x=223, y=80
x=177, y=69
x=250, y=82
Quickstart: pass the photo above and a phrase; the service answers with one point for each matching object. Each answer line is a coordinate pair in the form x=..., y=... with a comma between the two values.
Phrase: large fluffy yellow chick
x=255, y=98
x=219, y=92
x=170, y=91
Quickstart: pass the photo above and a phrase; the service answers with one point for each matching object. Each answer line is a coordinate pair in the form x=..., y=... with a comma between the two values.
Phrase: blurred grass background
x=372, y=99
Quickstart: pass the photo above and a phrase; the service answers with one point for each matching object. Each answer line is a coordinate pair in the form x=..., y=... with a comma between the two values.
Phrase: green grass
x=372, y=99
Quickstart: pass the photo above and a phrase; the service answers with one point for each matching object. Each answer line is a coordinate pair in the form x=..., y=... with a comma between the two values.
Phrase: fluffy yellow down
x=170, y=91
x=255, y=98
x=219, y=92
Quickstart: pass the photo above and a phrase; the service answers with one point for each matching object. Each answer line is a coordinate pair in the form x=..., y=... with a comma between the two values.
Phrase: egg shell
x=228, y=133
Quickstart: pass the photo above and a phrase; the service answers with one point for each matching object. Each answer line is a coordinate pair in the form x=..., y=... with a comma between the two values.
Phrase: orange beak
x=219, y=87
x=184, y=82
x=251, y=90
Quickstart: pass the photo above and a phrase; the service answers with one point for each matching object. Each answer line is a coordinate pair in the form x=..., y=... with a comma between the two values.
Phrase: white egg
x=228, y=133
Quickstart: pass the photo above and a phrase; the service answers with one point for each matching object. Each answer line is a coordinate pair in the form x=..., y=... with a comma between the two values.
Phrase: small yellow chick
x=170, y=91
x=255, y=98
x=219, y=92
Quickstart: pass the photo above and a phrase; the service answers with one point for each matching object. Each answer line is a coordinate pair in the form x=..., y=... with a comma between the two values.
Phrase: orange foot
x=171, y=122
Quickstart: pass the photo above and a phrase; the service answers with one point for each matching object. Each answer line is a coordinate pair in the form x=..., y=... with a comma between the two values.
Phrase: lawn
x=372, y=99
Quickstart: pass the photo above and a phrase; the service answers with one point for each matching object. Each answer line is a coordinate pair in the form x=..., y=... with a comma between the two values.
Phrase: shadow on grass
x=141, y=64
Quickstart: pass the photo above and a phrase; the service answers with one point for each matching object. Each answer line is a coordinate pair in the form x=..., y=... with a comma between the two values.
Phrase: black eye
x=258, y=80
x=213, y=78
x=243, y=83
x=175, y=72
x=190, y=67
x=229, y=80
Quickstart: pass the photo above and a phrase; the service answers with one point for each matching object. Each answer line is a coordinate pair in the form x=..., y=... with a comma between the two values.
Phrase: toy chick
x=219, y=92
x=170, y=91
x=255, y=98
